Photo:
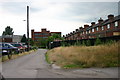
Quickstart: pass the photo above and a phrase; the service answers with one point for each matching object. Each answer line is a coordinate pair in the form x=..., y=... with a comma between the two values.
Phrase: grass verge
x=14, y=56
x=85, y=56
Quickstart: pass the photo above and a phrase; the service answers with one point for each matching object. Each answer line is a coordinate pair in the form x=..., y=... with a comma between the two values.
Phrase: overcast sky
x=56, y=15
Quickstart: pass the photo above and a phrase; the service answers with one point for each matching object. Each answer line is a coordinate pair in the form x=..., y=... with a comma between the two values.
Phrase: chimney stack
x=110, y=17
x=43, y=30
x=76, y=30
x=80, y=28
x=85, y=26
x=100, y=20
x=92, y=23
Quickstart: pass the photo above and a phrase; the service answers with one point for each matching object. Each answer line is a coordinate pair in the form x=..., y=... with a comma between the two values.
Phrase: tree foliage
x=53, y=37
x=42, y=42
x=24, y=39
x=32, y=43
x=8, y=31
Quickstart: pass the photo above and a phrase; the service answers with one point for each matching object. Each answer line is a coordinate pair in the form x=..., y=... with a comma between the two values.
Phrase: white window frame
x=86, y=32
x=116, y=23
x=97, y=29
x=108, y=26
x=93, y=30
x=102, y=28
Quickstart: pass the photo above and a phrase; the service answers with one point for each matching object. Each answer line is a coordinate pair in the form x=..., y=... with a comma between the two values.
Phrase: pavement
x=34, y=66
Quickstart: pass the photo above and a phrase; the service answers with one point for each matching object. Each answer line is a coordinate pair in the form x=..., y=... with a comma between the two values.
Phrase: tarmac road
x=35, y=66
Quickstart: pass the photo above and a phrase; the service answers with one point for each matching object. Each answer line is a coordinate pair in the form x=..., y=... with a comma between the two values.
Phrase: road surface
x=34, y=66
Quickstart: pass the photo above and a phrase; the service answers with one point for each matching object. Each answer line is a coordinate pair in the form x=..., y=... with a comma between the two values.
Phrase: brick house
x=104, y=28
x=43, y=34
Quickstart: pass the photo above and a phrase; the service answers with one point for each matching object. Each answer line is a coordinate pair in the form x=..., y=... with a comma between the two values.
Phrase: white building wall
x=17, y=38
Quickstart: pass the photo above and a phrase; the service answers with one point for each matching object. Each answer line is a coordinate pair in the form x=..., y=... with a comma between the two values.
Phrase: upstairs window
x=86, y=32
x=37, y=33
x=97, y=29
x=89, y=31
x=93, y=30
x=83, y=32
x=108, y=26
x=102, y=28
x=116, y=24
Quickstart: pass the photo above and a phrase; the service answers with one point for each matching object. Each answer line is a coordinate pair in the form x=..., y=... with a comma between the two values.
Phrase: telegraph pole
x=28, y=42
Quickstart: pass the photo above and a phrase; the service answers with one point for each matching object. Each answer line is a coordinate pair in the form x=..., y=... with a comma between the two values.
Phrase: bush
x=77, y=43
x=98, y=41
x=88, y=43
x=83, y=43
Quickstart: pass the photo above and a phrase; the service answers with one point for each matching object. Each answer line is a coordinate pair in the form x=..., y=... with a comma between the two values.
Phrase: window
x=37, y=33
x=45, y=37
x=44, y=33
x=93, y=30
x=116, y=24
x=37, y=37
x=89, y=31
x=97, y=29
x=83, y=32
x=108, y=26
x=102, y=28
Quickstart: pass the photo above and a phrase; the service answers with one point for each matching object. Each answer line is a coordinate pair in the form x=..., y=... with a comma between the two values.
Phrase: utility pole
x=28, y=41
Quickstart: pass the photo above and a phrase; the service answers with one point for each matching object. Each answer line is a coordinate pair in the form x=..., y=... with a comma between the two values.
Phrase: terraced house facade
x=104, y=28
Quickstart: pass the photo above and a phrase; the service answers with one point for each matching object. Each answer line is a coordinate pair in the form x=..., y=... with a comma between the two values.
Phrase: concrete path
x=35, y=66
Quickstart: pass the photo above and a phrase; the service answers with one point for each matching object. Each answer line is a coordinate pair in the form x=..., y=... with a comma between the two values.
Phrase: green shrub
x=88, y=43
x=83, y=43
x=98, y=41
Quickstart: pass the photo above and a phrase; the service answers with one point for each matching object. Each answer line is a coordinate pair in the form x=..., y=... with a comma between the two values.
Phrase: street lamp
x=28, y=42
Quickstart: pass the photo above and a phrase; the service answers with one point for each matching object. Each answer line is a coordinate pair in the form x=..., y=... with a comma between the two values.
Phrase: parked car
x=20, y=47
x=8, y=49
x=25, y=46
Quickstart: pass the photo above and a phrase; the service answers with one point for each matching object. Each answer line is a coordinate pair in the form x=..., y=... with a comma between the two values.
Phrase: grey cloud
x=14, y=7
x=92, y=10
x=17, y=7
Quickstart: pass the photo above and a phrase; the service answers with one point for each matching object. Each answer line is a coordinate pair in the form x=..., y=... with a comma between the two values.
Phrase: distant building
x=10, y=38
x=43, y=34
x=17, y=38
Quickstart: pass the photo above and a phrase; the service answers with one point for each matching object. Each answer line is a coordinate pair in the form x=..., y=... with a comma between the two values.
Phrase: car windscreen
x=16, y=45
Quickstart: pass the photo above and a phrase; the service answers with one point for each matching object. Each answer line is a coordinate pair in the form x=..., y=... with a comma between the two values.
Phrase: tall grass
x=85, y=56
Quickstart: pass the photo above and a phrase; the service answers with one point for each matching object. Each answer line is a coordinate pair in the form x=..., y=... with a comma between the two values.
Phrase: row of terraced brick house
x=103, y=28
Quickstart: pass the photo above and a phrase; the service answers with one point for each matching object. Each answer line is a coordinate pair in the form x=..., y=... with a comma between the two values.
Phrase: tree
x=8, y=31
x=53, y=37
x=32, y=43
x=24, y=39
x=42, y=42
